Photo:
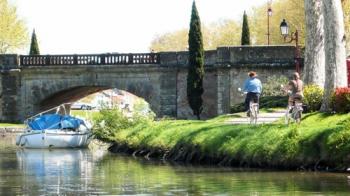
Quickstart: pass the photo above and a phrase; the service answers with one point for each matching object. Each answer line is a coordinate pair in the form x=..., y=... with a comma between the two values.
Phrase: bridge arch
x=44, y=91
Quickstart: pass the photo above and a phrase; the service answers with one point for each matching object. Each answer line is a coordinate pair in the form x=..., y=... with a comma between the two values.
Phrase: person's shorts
x=295, y=98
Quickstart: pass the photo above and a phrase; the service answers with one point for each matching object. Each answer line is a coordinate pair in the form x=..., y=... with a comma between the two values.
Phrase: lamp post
x=293, y=37
x=269, y=14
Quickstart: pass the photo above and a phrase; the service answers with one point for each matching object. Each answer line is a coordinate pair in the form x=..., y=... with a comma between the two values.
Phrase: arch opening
x=96, y=98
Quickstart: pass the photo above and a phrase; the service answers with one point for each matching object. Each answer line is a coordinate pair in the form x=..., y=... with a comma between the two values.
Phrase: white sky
x=100, y=26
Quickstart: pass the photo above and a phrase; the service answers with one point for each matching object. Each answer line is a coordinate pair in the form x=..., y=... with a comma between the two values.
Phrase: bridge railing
x=90, y=59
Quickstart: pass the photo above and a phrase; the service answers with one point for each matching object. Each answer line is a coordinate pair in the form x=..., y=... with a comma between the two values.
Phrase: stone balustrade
x=89, y=59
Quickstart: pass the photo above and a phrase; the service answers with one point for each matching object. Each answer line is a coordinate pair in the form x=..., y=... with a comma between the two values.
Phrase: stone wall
x=9, y=92
x=210, y=101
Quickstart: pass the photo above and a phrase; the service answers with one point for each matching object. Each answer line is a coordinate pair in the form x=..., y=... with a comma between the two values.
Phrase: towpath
x=268, y=117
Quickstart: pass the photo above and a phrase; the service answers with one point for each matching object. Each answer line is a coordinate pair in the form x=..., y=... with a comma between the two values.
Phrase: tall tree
x=196, y=64
x=336, y=73
x=245, y=39
x=13, y=33
x=314, y=69
x=34, y=47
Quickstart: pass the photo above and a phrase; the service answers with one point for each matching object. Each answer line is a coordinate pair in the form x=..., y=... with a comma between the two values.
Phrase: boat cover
x=55, y=121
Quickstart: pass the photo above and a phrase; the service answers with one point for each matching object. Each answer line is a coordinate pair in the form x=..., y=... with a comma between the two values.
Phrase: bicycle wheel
x=287, y=116
x=251, y=118
x=254, y=114
x=255, y=120
x=298, y=117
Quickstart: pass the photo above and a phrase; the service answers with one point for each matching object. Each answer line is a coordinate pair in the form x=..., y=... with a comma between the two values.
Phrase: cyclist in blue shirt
x=253, y=87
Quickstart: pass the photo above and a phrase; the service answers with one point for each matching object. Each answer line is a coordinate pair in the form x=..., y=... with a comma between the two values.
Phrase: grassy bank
x=321, y=141
x=11, y=125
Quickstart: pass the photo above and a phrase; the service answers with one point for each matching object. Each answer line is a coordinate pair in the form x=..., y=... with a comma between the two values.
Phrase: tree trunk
x=314, y=69
x=336, y=72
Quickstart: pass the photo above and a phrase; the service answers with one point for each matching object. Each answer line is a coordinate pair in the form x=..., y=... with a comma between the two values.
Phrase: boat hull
x=54, y=139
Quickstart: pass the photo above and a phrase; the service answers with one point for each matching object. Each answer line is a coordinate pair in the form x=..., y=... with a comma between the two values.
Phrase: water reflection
x=86, y=172
x=51, y=168
x=44, y=171
x=139, y=176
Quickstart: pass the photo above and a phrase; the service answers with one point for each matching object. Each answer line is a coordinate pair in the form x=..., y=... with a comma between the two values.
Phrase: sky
x=124, y=26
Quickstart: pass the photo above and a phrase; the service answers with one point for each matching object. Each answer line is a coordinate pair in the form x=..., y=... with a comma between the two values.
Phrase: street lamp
x=269, y=14
x=293, y=37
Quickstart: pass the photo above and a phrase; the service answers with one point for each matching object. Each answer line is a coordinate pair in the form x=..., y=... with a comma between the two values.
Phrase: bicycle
x=253, y=110
x=293, y=112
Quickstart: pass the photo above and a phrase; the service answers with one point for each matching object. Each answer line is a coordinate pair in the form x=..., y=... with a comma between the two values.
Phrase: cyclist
x=295, y=86
x=253, y=87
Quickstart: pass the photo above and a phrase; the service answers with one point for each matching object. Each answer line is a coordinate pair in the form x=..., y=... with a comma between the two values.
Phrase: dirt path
x=262, y=118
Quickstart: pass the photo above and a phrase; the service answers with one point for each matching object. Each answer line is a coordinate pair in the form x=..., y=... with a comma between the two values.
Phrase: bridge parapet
x=89, y=59
x=269, y=55
x=238, y=55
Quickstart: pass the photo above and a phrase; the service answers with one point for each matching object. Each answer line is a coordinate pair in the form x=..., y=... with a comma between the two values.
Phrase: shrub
x=313, y=96
x=237, y=108
x=273, y=102
x=341, y=100
x=110, y=121
x=272, y=87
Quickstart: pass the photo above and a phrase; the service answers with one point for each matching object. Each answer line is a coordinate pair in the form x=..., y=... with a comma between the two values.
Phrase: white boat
x=55, y=130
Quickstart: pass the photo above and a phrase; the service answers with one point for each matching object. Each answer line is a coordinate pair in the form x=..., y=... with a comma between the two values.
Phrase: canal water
x=87, y=172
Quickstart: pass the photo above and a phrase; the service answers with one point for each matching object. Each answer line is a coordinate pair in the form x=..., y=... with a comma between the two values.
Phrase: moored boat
x=56, y=130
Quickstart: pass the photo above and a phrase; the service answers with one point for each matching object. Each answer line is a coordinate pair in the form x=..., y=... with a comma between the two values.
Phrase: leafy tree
x=173, y=41
x=34, y=47
x=196, y=64
x=220, y=33
x=13, y=33
x=245, y=40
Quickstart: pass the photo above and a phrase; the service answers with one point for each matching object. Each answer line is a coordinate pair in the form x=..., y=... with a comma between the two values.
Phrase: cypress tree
x=34, y=47
x=245, y=40
x=196, y=64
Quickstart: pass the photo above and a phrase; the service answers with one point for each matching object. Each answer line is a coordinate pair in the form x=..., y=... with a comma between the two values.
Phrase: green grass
x=13, y=125
x=320, y=139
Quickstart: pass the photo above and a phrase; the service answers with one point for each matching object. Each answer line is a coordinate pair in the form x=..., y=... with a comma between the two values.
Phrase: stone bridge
x=31, y=84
